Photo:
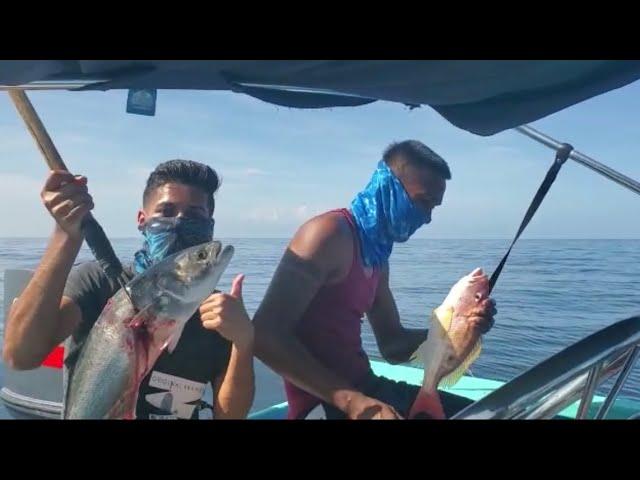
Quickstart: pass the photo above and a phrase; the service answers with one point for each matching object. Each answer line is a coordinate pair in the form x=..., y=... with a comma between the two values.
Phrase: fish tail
x=427, y=403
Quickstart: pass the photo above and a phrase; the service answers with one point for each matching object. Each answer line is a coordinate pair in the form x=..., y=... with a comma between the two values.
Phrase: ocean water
x=551, y=293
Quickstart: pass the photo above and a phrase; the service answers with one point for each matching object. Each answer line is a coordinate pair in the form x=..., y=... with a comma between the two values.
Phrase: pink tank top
x=331, y=328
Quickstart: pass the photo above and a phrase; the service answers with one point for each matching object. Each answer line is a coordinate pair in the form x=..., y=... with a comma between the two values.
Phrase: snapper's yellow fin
x=444, y=317
x=451, y=379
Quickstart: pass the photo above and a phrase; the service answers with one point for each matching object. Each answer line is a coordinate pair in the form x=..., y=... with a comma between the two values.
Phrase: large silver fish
x=124, y=343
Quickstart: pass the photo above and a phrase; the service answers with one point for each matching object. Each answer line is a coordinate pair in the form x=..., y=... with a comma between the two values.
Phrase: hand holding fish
x=67, y=198
x=481, y=317
x=361, y=407
x=226, y=314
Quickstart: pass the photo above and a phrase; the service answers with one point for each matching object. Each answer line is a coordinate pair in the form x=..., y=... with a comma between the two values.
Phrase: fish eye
x=202, y=255
x=478, y=296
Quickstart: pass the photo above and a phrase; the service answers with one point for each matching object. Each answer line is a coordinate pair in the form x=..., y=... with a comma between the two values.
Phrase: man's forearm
x=33, y=319
x=236, y=393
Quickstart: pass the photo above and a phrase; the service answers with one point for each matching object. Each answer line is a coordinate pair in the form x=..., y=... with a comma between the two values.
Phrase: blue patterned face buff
x=384, y=214
x=165, y=236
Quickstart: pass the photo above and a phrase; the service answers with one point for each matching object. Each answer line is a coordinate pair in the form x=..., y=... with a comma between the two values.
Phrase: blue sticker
x=142, y=101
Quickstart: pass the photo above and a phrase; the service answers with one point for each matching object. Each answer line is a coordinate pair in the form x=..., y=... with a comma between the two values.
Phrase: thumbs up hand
x=225, y=313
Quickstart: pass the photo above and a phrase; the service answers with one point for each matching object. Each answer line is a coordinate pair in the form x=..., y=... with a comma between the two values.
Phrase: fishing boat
x=480, y=97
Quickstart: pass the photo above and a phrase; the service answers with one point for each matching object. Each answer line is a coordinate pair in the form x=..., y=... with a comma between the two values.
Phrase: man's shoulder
x=92, y=270
x=329, y=229
x=85, y=274
x=87, y=280
x=327, y=240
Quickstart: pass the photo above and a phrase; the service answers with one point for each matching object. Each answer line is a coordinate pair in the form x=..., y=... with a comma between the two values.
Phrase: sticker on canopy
x=179, y=393
x=142, y=102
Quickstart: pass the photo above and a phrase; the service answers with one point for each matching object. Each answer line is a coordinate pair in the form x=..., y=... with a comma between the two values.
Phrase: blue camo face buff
x=165, y=236
x=384, y=213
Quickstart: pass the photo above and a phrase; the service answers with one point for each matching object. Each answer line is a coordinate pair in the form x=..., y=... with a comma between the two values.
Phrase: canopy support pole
x=582, y=159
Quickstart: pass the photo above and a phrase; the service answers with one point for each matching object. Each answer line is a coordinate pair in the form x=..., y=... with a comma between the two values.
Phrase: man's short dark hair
x=185, y=172
x=416, y=153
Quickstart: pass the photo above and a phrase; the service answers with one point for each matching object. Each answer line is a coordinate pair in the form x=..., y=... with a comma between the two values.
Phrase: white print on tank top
x=178, y=393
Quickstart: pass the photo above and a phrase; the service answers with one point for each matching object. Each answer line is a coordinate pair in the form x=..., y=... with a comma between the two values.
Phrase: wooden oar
x=93, y=232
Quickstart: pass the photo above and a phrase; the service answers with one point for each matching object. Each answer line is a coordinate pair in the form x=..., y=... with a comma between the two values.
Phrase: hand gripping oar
x=93, y=233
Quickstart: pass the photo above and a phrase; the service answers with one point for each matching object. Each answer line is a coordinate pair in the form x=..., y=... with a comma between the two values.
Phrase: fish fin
x=172, y=341
x=419, y=353
x=444, y=317
x=428, y=403
x=415, y=355
x=451, y=379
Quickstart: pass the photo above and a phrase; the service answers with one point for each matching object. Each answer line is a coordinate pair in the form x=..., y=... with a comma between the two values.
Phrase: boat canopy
x=483, y=97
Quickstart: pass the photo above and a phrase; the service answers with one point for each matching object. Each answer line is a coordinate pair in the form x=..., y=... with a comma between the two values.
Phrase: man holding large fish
x=149, y=350
x=335, y=270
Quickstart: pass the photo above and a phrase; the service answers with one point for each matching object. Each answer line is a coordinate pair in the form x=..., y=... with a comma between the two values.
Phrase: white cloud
x=139, y=173
x=265, y=214
x=301, y=212
x=284, y=215
x=254, y=171
x=23, y=212
x=75, y=138
x=503, y=150
x=14, y=138
x=241, y=174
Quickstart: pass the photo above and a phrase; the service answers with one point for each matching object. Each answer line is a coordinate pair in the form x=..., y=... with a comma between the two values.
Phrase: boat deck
x=473, y=388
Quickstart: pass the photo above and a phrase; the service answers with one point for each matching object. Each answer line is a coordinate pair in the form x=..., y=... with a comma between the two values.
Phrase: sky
x=281, y=166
